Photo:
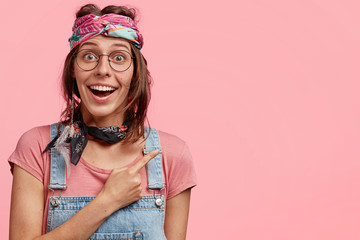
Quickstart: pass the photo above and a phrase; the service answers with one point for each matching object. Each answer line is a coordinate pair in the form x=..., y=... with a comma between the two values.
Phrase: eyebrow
x=121, y=45
x=115, y=44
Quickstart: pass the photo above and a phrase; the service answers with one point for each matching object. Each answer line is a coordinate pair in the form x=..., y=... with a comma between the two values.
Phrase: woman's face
x=103, y=90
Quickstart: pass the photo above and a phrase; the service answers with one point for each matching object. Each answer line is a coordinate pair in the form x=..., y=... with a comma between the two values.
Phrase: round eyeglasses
x=119, y=60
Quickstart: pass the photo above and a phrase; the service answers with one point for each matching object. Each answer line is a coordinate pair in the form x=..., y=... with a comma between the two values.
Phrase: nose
x=103, y=68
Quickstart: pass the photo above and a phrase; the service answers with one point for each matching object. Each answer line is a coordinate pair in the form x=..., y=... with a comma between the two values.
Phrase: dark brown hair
x=139, y=93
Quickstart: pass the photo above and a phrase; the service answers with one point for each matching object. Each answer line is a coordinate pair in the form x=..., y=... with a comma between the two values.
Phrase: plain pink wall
x=266, y=93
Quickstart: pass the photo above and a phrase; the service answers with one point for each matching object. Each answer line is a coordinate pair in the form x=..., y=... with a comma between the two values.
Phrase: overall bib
x=143, y=219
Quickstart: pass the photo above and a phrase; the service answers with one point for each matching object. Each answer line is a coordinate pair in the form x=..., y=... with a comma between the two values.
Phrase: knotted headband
x=112, y=25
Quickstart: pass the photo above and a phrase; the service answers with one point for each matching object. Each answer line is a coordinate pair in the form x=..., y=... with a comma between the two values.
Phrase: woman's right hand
x=123, y=186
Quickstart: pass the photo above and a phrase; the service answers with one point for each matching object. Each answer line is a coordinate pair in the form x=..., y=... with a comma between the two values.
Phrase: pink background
x=266, y=93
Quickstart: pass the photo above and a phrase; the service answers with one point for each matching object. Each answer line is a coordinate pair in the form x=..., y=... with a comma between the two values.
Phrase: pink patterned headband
x=112, y=25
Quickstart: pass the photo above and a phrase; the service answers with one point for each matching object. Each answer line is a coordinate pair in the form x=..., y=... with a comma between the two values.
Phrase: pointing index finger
x=143, y=161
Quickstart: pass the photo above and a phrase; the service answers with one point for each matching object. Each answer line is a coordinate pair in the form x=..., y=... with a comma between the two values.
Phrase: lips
x=101, y=93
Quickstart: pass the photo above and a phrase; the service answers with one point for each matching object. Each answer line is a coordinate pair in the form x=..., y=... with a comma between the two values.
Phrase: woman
x=85, y=178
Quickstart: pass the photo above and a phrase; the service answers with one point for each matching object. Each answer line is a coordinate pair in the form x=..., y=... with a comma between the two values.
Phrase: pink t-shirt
x=88, y=180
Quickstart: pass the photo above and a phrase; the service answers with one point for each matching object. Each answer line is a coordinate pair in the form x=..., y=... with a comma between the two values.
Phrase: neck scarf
x=112, y=25
x=77, y=140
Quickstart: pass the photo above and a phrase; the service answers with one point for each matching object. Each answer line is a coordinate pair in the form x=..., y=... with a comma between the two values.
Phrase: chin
x=103, y=111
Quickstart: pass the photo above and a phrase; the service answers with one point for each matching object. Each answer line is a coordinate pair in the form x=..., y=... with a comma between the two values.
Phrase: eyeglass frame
x=99, y=55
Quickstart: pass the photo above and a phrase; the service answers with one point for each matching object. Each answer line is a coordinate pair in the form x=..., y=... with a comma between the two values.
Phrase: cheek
x=79, y=83
x=77, y=89
x=126, y=79
x=80, y=87
x=80, y=77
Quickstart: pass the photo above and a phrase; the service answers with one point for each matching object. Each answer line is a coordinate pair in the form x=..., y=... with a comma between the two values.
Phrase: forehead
x=103, y=43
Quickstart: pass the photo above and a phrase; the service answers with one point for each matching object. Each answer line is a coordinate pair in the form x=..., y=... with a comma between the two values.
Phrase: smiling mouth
x=102, y=91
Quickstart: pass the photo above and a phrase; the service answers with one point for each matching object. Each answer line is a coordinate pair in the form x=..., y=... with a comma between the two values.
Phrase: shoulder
x=175, y=150
x=39, y=135
x=34, y=140
x=178, y=164
x=171, y=144
x=28, y=153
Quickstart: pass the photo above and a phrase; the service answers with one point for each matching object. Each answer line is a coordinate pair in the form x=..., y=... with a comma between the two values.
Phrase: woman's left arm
x=176, y=216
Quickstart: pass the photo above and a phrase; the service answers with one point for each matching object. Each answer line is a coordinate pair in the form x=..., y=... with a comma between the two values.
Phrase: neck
x=115, y=119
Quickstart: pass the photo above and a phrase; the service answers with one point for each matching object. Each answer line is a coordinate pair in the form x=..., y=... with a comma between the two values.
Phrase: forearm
x=26, y=216
x=84, y=223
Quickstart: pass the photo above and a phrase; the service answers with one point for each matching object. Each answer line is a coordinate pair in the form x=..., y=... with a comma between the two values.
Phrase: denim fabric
x=155, y=179
x=57, y=178
x=142, y=219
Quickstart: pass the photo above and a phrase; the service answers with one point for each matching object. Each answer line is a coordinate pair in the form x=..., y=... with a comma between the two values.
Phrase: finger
x=142, y=162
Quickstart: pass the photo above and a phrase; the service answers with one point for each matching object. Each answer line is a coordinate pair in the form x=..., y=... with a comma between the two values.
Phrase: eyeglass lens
x=88, y=60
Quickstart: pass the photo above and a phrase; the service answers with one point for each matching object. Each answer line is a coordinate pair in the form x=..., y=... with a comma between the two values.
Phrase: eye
x=118, y=58
x=89, y=56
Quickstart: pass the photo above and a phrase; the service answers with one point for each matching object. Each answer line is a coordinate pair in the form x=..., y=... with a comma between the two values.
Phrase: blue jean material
x=143, y=219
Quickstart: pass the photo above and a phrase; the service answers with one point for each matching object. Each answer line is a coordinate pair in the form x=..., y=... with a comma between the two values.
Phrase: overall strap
x=57, y=164
x=154, y=166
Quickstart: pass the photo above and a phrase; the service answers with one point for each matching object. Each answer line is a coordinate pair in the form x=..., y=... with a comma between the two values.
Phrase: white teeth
x=102, y=88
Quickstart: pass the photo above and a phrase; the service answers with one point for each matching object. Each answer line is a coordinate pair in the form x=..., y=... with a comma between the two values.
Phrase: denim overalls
x=143, y=219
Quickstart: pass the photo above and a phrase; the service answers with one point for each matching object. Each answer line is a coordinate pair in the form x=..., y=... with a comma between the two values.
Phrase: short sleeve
x=179, y=166
x=28, y=154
